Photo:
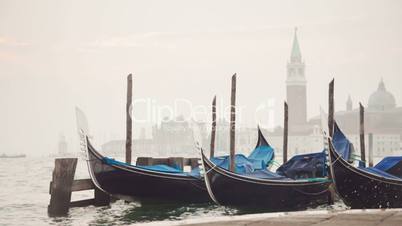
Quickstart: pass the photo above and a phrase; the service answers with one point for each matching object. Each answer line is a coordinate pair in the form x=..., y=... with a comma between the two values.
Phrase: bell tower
x=296, y=88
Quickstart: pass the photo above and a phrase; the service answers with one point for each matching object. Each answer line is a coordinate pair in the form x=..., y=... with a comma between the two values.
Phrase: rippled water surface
x=24, y=187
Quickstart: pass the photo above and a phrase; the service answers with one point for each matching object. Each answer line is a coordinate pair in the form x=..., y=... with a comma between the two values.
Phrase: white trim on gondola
x=206, y=179
x=91, y=173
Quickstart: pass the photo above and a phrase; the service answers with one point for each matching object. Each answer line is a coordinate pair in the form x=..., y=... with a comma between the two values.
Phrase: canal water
x=24, y=196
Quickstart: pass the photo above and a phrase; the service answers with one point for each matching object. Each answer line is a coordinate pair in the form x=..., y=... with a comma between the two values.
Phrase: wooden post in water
x=101, y=198
x=129, y=124
x=232, y=124
x=213, y=129
x=285, y=132
x=63, y=177
x=371, y=147
x=362, y=141
x=176, y=162
x=331, y=112
x=331, y=108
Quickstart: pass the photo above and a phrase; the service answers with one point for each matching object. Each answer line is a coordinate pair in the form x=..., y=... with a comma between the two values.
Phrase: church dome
x=381, y=99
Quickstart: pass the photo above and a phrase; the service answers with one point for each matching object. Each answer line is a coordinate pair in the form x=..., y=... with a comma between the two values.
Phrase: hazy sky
x=55, y=55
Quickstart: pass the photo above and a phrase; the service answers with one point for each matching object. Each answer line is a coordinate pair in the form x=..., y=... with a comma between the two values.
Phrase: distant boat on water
x=4, y=156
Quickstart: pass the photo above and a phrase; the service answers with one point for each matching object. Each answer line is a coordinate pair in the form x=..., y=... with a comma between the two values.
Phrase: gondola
x=160, y=182
x=272, y=191
x=364, y=187
x=144, y=183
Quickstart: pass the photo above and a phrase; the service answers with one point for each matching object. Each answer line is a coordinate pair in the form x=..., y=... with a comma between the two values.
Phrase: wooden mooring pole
x=60, y=187
x=371, y=149
x=63, y=184
x=362, y=141
x=213, y=129
x=233, y=124
x=129, y=123
x=331, y=108
x=331, y=112
x=285, y=132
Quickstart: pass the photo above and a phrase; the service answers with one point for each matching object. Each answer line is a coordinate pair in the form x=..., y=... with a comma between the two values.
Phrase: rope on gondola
x=311, y=194
x=211, y=169
x=337, y=159
x=274, y=163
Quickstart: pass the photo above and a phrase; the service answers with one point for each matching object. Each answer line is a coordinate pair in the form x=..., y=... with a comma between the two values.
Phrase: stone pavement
x=305, y=218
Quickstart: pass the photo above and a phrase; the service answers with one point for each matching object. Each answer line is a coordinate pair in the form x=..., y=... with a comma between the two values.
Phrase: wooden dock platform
x=305, y=218
x=63, y=183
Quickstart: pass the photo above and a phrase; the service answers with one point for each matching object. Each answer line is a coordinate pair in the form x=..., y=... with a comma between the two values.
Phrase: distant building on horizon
x=174, y=137
x=296, y=90
x=383, y=118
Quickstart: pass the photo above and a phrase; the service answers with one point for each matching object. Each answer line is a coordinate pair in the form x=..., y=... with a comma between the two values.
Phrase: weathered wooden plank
x=63, y=176
x=194, y=163
x=331, y=108
x=160, y=161
x=50, y=187
x=176, y=162
x=101, y=198
x=362, y=141
x=213, y=129
x=82, y=203
x=331, y=111
x=371, y=149
x=173, y=161
x=144, y=161
x=233, y=123
x=82, y=185
x=129, y=123
x=285, y=132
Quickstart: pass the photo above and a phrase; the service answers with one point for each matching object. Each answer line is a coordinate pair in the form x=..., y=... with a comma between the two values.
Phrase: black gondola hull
x=230, y=189
x=143, y=184
x=360, y=189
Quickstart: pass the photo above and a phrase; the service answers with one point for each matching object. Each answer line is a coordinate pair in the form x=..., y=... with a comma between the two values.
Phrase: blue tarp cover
x=258, y=160
x=379, y=172
x=388, y=162
x=159, y=168
x=341, y=143
x=264, y=174
x=263, y=153
x=307, y=165
x=242, y=163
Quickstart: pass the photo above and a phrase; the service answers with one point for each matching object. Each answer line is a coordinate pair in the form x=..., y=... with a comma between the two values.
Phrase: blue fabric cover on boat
x=242, y=163
x=341, y=143
x=264, y=153
x=196, y=172
x=388, y=162
x=162, y=168
x=379, y=172
x=361, y=164
x=391, y=165
x=159, y=168
x=264, y=174
x=305, y=166
x=258, y=160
